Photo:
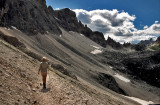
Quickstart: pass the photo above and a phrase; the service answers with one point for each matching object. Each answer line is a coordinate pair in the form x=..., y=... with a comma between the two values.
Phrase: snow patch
x=95, y=47
x=81, y=34
x=47, y=32
x=110, y=67
x=15, y=28
x=97, y=50
x=7, y=28
x=122, y=78
x=142, y=102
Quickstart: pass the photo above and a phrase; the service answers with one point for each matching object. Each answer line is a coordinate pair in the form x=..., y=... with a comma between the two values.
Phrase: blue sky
x=146, y=12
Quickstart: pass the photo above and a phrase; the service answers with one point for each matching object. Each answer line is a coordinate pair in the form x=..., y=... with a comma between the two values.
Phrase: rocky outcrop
x=158, y=41
x=142, y=45
x=145, y=68
x=68, y=20
x=146, y=42
x=113, y=43
x=29, y=16
x=155, y=46
x=35, y=17
x=61, y=69
x=12, y=40
x=109, y=82
x=141, y=65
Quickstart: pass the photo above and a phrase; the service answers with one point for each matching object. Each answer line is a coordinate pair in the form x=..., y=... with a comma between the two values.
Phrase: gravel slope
x=20, y=84
x=73, y=52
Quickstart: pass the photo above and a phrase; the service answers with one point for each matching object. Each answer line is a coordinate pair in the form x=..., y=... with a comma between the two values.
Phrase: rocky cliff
x=158, y=41
x=34, y=17
x=146, y=42
x=68, y=20
x=113, y=43
x=31, y=16
x=156, y=45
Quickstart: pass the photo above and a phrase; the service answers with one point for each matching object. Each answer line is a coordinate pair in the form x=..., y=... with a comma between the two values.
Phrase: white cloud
x=118, y=25
x=145, y=27
x=156, y=22
x=57, y=8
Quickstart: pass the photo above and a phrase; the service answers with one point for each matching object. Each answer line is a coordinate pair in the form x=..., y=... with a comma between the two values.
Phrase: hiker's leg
x=44, y=75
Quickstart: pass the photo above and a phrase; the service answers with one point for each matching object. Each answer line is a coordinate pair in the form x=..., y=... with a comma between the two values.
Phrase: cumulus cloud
x=57, y=8
x=116, y=24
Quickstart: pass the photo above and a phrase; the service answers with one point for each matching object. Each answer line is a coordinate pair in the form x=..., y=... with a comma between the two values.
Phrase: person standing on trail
x=43, y=68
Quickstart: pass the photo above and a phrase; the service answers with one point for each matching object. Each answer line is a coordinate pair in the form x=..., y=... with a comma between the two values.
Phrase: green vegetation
x=155, y=47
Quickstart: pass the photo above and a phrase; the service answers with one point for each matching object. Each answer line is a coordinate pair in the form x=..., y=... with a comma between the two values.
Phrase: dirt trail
x=20, y=84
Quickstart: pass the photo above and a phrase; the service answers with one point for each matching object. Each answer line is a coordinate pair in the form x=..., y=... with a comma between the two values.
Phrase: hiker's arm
x=39, y=69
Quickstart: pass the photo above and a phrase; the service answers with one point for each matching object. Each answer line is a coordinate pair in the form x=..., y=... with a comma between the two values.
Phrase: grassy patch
x=155, y=48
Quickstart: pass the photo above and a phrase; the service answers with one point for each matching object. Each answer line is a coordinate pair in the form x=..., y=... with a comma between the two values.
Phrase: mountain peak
x=68, y=20
x=113, y=43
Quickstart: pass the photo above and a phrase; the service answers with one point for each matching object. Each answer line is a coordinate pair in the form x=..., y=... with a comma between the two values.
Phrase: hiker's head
x=43, y=59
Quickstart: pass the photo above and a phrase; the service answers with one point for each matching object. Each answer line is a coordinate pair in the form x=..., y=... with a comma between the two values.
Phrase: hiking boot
x=44, y=85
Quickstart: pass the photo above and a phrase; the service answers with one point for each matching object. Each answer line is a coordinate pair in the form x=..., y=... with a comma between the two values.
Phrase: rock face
x=142, y=45
x=145, y=68
x=109, y=82
x=144, y=65
x=68, y=20
x=113, y=43
x=146, y=42
x=31, y=16
x=158, y=41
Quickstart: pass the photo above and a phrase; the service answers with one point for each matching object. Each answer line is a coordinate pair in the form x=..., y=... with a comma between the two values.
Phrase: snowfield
x=142, y=102
x=15, y=28
x=97, y=50
x=122, y=78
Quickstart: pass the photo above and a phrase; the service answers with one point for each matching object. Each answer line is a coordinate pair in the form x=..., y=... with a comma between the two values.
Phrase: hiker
x=43, y=68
